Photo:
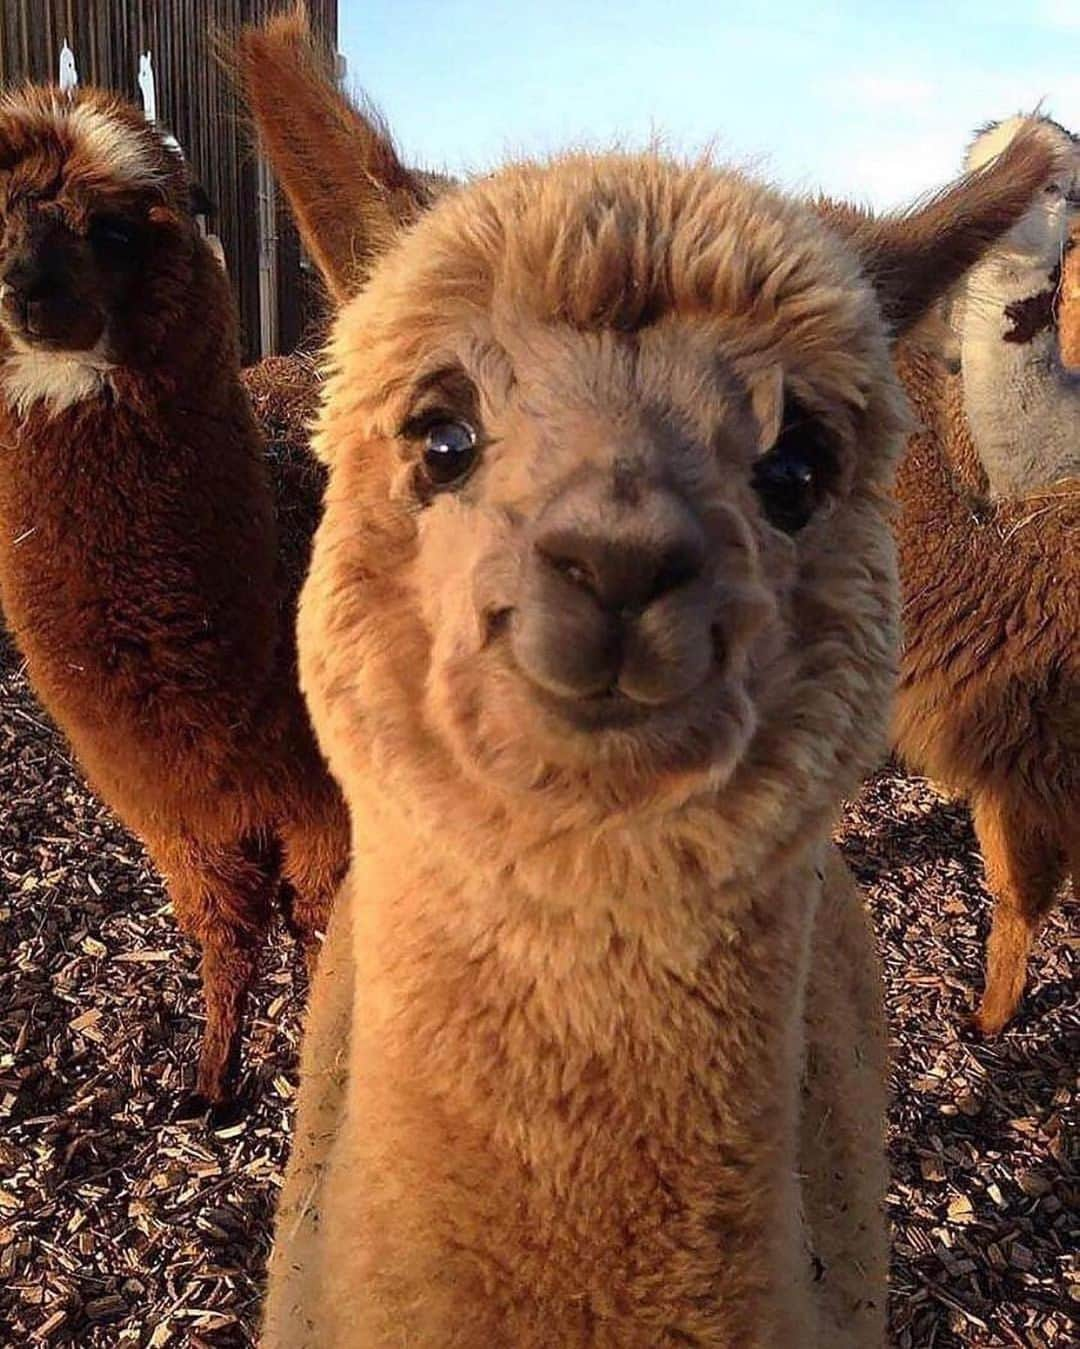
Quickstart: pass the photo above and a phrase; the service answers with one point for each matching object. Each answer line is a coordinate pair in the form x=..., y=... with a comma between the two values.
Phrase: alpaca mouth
x=38, y=327
x=625, y=690
x=616, y=695
x=607, y=710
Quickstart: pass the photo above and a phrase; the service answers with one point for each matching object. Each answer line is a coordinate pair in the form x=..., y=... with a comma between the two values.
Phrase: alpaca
x=1022, y=407
x=988, y=528
x=598, y=632
x=139, y=566
x=284, y=396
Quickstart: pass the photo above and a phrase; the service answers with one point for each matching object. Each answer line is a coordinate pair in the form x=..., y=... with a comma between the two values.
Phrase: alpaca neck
x=598, y=1066
x=1022, y=407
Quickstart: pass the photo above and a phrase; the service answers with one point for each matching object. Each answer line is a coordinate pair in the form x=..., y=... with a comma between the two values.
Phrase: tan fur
x=988, y=528
x=115, y=150
x=345, y=226
x=595, y=1054
x=1069, y=304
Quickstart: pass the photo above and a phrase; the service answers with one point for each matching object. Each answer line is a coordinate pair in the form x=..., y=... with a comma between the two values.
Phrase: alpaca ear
x=767, y=404
x=349, y=191
x=916, y=257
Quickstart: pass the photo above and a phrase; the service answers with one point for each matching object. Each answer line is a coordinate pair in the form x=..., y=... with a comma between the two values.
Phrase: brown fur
x=927, y=248
x=598, y=1059
x=989, y=695
x=139, y=558
x=1035, y=314
x=284, y=395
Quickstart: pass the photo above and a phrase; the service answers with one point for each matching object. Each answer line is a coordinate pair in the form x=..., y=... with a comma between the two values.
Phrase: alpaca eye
x=111, y=234
x=790, y=479
x=449, y=452
x=787, y=486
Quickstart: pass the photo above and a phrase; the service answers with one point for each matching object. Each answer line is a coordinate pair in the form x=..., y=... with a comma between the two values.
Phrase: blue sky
x=873, y=100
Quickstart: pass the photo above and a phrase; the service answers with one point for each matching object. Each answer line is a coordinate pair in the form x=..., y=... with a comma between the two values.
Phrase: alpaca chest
x=146, y=618
x=508, y=1179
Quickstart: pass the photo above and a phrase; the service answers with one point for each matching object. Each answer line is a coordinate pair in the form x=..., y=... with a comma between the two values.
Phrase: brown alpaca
x=599, y=631
x=284, y=395
x=988, y=703
x=139, y=567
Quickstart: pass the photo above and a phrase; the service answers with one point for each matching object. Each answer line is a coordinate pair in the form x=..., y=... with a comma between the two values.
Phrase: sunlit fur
x=528, y=282
x=56, y=379
x=595, y=1052
x=1039, y=236
x=1021, y=406
x=142, y=571
x=1069, y=309
x=600, y=884
x=83, y=153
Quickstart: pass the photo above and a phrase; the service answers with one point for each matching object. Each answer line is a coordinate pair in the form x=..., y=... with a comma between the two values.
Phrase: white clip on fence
x=69, y=76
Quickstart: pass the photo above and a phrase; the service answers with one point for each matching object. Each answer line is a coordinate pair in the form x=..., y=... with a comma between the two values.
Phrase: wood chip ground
x=122, y=1227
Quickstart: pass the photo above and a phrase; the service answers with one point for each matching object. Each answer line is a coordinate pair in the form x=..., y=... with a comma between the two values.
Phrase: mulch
x=122, y=1226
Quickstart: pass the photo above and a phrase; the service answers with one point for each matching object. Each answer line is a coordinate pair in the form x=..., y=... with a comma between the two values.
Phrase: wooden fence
x=278, y=297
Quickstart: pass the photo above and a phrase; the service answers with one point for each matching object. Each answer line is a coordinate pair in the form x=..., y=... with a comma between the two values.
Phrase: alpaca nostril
x=623, y=576
x=719, y=644
x=34, y=316
x=25, y=281
x=573, y=570
x=679, y=567
x=497, y=622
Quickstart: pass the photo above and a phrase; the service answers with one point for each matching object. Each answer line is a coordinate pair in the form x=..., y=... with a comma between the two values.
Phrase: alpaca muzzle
x=616, y=607
x=42, y=302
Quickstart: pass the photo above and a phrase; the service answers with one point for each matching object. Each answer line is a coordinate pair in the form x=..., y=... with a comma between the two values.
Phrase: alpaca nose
x=26, y=279
x=625, y=569
x=27, y=291
x=615, y=597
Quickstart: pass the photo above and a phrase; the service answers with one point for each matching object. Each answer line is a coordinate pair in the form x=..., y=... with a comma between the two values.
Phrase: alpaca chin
x=506, y=735
x=59, y=379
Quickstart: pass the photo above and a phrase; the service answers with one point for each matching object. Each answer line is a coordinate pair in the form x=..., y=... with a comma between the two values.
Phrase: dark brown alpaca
x=139, y=555
x=284, y=396
x=989, y=541
x=989, y=697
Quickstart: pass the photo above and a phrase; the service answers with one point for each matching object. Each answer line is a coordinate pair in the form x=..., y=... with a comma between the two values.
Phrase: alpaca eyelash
x=418, y=424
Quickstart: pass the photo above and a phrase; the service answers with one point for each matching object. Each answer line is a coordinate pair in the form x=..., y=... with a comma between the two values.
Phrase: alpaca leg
x=315, y=855
x=223, y=898
x=229, y=964
x=1023, y=870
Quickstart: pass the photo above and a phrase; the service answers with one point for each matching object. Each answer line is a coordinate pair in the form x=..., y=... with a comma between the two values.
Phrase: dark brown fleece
x=143, y=578
x=989, y=695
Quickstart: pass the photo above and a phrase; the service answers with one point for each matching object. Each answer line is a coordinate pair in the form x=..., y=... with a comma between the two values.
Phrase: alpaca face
x=1040, y=236
x=612, y=580
x=620, y=414
x=85, y=188
x=610, y=442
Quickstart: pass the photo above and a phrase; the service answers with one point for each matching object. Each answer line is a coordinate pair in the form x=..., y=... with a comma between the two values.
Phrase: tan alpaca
x=600, y=629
